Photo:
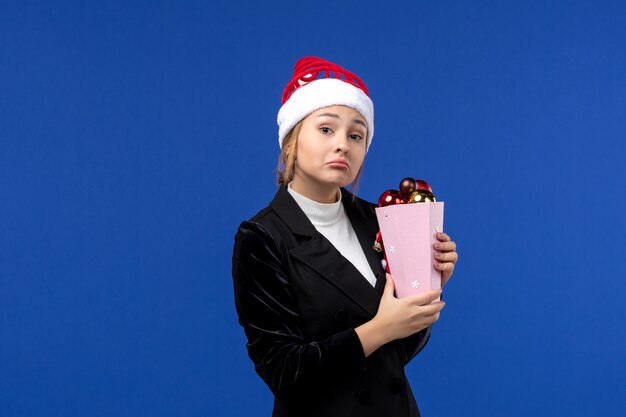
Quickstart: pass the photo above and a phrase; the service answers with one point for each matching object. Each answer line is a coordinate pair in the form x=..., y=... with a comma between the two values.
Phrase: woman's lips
x=339, y=163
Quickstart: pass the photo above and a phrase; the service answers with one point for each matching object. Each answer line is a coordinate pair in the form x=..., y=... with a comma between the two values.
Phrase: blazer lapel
x=361, y=216
x=319, y=254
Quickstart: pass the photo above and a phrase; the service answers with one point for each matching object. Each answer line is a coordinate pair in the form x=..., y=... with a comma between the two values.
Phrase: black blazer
x=299, y=301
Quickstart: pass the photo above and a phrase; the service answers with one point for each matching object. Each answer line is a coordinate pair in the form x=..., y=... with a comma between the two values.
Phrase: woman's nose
x=342, y=143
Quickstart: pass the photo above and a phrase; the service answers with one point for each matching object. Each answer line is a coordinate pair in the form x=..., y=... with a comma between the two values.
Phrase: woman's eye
x=325, y=129
x=356, y=137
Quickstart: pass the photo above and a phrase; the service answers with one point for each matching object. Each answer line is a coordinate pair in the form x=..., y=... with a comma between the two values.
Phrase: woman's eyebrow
x=358, y=121
x=336, y=116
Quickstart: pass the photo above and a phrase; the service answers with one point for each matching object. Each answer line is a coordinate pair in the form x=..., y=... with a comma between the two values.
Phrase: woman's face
x=330, y=150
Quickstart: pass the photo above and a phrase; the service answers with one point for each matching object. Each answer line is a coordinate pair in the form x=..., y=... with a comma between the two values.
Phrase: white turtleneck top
x=333, y=223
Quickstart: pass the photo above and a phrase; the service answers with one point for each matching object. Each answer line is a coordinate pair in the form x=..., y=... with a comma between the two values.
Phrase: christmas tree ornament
x=390, y=197
x=422, y=196
x=422, y=185
x=407, y=186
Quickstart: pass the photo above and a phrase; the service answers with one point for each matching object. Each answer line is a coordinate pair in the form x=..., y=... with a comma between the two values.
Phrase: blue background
x=135, y=136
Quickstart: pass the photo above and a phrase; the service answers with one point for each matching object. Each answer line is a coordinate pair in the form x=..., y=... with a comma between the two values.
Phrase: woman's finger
x=447, y=256
x=389, y=286
x=443, y=237
x=445, y=246
x=430, y=309
x=425, y=298
x=445, y=266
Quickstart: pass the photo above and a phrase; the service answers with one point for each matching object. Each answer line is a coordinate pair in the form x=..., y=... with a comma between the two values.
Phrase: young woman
x=324, y=329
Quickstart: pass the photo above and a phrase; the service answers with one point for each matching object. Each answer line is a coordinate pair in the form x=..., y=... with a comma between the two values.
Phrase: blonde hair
x=287, y=159
x=286, y=168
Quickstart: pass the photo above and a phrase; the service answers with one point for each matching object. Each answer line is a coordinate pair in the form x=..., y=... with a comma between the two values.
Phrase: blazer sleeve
x=414, y=344
x=268, y=312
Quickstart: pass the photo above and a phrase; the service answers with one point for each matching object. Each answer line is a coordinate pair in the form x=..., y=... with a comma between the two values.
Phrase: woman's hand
x=446, y=257
x=398, y=318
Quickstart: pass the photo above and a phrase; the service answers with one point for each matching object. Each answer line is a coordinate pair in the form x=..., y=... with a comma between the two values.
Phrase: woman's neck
x=315, y=192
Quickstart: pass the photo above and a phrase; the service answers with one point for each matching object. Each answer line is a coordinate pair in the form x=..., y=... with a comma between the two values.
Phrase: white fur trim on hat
x=323, y=93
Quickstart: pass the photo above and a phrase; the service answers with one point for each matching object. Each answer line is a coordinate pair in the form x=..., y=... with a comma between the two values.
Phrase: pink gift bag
x=409, y=232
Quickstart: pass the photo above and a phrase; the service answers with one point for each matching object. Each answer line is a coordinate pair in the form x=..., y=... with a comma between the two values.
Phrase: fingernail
x=437, y=245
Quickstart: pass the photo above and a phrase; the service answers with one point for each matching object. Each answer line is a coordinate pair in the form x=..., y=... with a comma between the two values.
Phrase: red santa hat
x=317, y=83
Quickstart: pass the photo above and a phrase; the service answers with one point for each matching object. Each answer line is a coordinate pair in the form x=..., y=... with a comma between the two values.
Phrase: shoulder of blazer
x=283, y=219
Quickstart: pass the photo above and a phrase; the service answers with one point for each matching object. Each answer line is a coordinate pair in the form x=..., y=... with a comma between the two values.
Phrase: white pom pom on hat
x=317, y=83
